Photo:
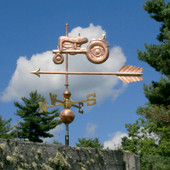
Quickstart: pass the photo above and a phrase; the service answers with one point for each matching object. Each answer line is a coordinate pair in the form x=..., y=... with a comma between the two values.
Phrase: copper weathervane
x=97, y=52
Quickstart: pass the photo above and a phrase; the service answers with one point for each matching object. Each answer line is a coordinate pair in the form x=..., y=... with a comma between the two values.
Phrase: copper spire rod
x=66, y=60
x=66, y=81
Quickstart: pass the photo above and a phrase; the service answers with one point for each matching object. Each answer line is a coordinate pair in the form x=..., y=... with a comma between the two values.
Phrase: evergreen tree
x=149, y=136
x=35, y=125
x=5, y=128
x=56, y=142
x=91, y=143
x=157, y=55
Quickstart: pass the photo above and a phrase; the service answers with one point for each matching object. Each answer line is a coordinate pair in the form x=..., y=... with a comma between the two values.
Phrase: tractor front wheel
x=97, y=51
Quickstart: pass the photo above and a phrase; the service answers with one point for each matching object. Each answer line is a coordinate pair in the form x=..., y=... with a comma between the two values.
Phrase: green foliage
x=159, y=162
x=35, y=125
x=5, y=128
x=56, y=142
x=158, y=93
x=158, y=56
x=91, y=143
x=149, y=140
x=149, y=136
x=156, y=113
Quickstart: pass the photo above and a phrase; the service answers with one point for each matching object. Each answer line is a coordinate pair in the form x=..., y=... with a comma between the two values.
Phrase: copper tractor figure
x=97, y=51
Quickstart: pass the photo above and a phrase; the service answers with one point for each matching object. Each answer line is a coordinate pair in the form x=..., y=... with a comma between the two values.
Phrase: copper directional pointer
x=127, y=73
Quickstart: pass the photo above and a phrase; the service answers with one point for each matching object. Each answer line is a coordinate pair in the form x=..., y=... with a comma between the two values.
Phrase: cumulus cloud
x=90, y=130
x=115, y=141
x=22, y=82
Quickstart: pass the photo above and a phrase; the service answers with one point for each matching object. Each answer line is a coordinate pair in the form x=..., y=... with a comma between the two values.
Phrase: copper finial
x=66, y=116
x=67, y=94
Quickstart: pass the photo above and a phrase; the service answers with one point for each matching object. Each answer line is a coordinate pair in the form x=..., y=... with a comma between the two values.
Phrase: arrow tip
x=36, y=72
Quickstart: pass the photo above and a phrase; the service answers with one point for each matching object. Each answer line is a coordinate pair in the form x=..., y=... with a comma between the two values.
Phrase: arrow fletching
x=130, y=74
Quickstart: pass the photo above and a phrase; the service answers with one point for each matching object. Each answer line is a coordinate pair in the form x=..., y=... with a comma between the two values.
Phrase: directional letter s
x=91, y=99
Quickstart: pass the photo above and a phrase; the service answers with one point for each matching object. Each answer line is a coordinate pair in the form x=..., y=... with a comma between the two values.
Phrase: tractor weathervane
x=97, y=52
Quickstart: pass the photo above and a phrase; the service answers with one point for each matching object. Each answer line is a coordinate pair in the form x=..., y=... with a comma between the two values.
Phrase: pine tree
x=5, y=128
x=91, y=143
x=149, y=136
x=35, y=125
x=57, y=143
x=157, y=55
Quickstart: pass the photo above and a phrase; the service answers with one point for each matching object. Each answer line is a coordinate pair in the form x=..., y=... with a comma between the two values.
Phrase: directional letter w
x=53, y=98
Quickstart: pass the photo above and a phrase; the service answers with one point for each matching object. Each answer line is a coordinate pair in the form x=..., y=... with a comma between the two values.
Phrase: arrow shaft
x=92, y=73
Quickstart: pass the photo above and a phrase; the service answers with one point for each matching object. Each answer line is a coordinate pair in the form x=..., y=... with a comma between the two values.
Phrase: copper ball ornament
x=67, y=116
x=67, y=94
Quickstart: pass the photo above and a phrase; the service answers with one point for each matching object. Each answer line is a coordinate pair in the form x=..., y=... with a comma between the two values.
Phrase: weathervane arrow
x=127, y=73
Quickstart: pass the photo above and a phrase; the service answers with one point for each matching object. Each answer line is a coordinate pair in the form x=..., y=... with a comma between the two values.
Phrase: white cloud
x=90, y=130
x=22, y=82
x=115, y=141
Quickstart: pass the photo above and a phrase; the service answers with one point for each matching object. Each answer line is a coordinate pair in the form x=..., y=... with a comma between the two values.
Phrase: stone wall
x=20, y=155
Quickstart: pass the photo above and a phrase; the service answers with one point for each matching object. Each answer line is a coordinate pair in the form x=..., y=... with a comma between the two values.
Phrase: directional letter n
x=43, y=107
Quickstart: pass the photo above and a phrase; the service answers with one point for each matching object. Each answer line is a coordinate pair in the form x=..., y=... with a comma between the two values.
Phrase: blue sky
x=29, y=31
